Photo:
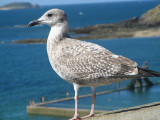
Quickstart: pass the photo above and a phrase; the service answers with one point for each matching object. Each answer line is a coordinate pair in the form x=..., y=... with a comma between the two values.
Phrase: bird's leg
x=76, y=116
x=92, y=106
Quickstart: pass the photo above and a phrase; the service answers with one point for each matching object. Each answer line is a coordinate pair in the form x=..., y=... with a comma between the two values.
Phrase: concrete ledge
x=61, y=112
x=143, y=112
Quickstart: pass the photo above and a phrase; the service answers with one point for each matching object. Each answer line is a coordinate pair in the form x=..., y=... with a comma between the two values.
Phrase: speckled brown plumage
x=80, y=61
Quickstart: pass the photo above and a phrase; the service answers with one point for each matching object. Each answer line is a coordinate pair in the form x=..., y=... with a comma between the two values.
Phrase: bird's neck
x=58, y=32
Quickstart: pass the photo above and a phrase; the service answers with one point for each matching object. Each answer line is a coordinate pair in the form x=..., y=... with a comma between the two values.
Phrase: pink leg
x=76, y=116
x=92, y=106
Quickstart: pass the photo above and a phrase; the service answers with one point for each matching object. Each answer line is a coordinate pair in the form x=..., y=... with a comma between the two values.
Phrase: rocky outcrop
x=127, y=28
x=151, y=17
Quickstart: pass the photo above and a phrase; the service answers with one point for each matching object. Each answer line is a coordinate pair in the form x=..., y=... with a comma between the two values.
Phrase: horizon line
x=88, y=2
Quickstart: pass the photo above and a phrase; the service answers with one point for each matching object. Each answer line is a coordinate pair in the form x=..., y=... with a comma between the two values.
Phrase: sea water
x=25, y=72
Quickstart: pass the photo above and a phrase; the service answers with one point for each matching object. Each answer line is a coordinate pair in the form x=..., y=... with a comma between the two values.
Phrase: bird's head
x=51, y=17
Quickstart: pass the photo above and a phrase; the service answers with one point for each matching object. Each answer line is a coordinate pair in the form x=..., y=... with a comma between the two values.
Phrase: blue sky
x=60, y=2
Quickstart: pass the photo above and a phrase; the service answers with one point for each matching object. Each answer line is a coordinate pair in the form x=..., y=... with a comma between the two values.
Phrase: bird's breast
x=53, y=54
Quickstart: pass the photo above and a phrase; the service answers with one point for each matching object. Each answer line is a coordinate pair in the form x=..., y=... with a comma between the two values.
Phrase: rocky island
x=18, y=5
x=145, y=26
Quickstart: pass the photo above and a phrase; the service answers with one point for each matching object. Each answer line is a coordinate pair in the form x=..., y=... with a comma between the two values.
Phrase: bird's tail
x=147, y=73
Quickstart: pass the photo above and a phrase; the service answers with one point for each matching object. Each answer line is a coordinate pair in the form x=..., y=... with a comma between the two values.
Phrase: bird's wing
x=89, y=61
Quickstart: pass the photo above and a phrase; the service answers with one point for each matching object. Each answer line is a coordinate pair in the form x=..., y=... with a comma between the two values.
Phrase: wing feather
x=86, y=60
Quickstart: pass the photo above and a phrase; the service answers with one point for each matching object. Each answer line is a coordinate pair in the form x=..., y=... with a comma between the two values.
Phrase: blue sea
x=25, y=72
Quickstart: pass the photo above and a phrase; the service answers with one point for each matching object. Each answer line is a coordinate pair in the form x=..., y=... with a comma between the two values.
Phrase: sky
x=60, y=2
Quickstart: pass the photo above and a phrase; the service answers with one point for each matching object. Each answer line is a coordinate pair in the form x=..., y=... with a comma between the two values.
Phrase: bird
x=82, y=63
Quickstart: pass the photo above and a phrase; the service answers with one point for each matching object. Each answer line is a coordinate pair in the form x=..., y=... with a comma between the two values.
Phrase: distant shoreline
x=148, y=25
x=18, y=5
x=137, y=34
x=142, y=31
x=152, y=32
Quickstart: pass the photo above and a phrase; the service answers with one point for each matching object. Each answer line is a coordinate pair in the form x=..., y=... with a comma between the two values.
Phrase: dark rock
x=30, y=41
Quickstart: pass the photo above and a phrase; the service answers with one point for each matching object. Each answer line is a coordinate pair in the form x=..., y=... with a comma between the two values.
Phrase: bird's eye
x=49, y=15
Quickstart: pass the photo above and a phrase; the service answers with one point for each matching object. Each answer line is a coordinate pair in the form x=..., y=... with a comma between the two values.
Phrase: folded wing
x=86, y=60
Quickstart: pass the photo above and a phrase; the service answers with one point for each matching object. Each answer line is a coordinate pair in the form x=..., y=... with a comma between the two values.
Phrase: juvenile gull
x=83, y=63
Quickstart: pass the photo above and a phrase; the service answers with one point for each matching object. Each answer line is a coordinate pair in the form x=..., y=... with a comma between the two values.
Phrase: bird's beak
x=33, y=23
